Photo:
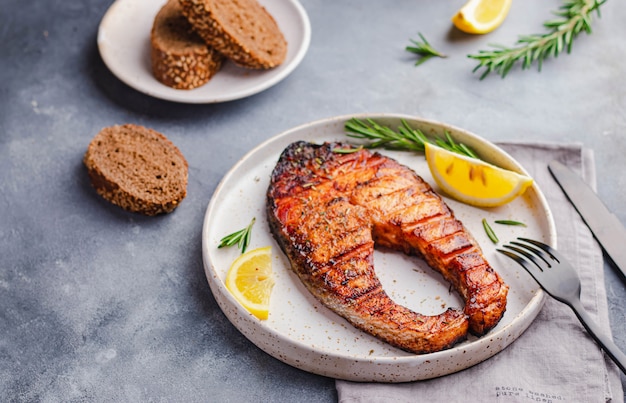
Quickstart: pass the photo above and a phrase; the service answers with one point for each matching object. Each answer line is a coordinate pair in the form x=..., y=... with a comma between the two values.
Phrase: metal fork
x=560, y=280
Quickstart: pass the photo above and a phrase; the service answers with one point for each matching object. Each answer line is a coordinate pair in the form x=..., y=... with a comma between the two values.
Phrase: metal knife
x=605, y=226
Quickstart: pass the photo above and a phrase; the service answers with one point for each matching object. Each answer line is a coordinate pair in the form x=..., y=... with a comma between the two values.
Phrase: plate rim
x=161, y=91
x=532, y=308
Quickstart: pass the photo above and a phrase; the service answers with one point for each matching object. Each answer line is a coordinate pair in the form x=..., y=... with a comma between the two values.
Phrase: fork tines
x=562, y=283
x=531, y=249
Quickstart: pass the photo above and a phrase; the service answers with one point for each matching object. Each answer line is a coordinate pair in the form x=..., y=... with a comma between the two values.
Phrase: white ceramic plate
x=124, y=43
x=305, y=334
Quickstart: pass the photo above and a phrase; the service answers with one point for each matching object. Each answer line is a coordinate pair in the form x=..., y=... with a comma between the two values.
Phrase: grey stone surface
x=97, y=304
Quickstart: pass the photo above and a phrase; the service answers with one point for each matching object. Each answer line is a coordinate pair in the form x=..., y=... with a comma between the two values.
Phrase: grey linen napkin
x=554, y=360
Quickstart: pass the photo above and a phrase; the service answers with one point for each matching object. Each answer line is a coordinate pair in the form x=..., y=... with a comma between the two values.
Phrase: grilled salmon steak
x=327, y=209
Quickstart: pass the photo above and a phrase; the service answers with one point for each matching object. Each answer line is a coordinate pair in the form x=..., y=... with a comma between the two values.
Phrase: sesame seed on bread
x=180, y=58
x=137, y=169
x=242, y=30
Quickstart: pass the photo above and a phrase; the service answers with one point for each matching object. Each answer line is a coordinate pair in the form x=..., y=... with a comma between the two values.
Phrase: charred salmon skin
x=327, y=209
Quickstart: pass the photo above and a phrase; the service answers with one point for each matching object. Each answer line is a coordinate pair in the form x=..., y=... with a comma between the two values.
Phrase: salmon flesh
x=327, y=208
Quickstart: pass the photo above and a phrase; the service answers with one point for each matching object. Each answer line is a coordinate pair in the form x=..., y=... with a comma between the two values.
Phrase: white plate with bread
x=124, y=42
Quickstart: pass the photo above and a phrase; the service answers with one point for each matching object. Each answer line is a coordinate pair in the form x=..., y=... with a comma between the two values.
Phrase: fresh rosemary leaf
x=574, y=17
x=382, y=136
x=490, y=233
x=468, y=151
x=240, y=238
x=510, y=222
x=347, y=150
x=423, y=49
x=405, y=138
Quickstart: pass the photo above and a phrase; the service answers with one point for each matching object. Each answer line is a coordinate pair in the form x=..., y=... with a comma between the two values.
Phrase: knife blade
x=604, y=225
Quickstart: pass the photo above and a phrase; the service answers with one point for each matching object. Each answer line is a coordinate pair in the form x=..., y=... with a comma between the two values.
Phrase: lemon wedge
x=481, y=16
x=473, y=181
x=250, y=280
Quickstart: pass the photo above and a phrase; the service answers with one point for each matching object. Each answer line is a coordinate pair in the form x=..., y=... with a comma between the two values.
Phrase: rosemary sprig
x=405, y=138
x=240, y=238
x=423, y=49
x=574, y=16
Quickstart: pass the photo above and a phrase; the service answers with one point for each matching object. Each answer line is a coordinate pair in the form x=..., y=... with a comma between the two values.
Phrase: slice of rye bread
x=180, y=58
x=242, y=30
x=137, y=169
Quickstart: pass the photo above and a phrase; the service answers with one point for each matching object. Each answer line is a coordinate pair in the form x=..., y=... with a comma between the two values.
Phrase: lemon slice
x=473, y=181
x=250, y=280
x=481, y=16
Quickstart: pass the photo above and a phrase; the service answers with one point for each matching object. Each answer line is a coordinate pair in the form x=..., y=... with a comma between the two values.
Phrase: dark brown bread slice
x=137, y=169
x=180, y=58
x=242, y=30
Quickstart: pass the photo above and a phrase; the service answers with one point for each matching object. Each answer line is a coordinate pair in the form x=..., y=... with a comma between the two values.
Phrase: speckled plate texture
x=305, y=334
x=124, y=44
